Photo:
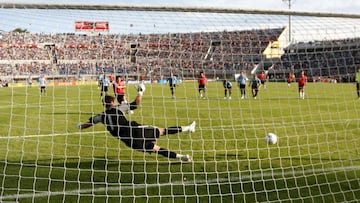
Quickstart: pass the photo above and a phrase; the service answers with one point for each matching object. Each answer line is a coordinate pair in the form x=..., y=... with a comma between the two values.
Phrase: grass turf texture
x=43, y=157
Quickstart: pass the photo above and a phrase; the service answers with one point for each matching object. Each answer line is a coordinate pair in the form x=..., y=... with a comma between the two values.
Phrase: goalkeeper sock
x=175, y=129
x=166, y=153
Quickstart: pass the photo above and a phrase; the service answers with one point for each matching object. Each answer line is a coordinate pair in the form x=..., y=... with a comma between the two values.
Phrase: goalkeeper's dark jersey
x=133, y=134
x=115, y=122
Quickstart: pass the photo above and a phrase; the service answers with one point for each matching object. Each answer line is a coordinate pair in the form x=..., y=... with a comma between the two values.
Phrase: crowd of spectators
x=74, y=54
x=158, y=54
x=337, y=59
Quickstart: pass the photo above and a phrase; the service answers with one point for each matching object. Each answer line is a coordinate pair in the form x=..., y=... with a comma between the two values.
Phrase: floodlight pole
x=288, y=2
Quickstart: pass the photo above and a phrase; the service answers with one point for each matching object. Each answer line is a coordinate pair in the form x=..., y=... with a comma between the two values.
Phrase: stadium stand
x=321, y=60
x=217, y=53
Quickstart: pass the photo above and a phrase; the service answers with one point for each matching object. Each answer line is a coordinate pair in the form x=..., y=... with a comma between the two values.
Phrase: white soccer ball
x=271, y=138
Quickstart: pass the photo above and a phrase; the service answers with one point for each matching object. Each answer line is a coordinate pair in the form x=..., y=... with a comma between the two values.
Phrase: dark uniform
x=133, y=134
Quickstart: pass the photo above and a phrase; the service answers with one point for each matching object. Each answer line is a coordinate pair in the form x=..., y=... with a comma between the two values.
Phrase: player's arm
x=128, y=108
x=141, y=89
x=92, y=121
x=84, y=125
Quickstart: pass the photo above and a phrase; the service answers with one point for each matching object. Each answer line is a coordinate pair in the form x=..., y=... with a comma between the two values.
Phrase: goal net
x=44, y=157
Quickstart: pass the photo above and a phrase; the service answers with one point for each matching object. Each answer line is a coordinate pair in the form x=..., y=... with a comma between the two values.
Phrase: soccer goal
x=279, y=137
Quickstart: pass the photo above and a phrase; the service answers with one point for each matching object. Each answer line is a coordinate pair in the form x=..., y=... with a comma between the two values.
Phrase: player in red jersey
x=202, y=80
x=290, y=79
x=302, y=80
x=262, y=78
x=119, y=86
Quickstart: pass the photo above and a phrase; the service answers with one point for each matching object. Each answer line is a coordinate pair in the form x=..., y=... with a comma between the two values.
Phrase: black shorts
x=142, y=138
x=120, y=98
x=242, y=86
x=104, y=88
x=202, y=87
x=172, y=86
x=263, y=82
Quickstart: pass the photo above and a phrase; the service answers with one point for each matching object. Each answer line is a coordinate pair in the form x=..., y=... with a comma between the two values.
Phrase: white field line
x=222, y=127
x=228, y=127
x=179, y=183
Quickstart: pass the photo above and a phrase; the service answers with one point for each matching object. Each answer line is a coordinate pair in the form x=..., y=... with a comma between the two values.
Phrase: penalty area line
x=191, y=182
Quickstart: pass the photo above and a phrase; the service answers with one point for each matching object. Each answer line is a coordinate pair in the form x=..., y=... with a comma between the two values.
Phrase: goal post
x=45, y=157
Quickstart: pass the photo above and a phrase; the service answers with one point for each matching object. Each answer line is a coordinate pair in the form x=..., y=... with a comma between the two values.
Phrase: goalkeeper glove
x=141, y=89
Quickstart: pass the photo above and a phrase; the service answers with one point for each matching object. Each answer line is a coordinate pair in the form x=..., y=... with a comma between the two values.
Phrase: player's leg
x=151, y=134
x=172, y=89
x=301, y=92
x=225, y=93
x=101, y=90
x=230, y=92
x=243, y=93
x=170, y=154
x=358, y=89
x=106, y=89
x=42, y=90
x=256, y=93
x=178, y=129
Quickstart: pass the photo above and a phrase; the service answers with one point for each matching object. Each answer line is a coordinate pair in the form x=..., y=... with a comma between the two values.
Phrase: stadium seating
x=158, y=54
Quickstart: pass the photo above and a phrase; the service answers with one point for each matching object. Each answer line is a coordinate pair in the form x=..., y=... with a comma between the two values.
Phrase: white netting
x=44, y=157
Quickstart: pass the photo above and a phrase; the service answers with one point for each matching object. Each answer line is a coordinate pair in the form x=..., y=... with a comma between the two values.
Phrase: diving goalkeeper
x=136, y=136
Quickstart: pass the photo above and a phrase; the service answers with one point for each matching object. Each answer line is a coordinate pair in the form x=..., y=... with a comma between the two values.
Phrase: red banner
x=91, y=26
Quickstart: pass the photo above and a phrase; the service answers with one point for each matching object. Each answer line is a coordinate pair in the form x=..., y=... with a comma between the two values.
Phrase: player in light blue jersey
x=100, y=79
x=241, y=80
x=172, y=84
x=105, y=82
x=42, y=84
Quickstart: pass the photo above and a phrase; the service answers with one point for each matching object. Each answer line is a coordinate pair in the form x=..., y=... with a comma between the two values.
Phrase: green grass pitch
x=44, y=158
